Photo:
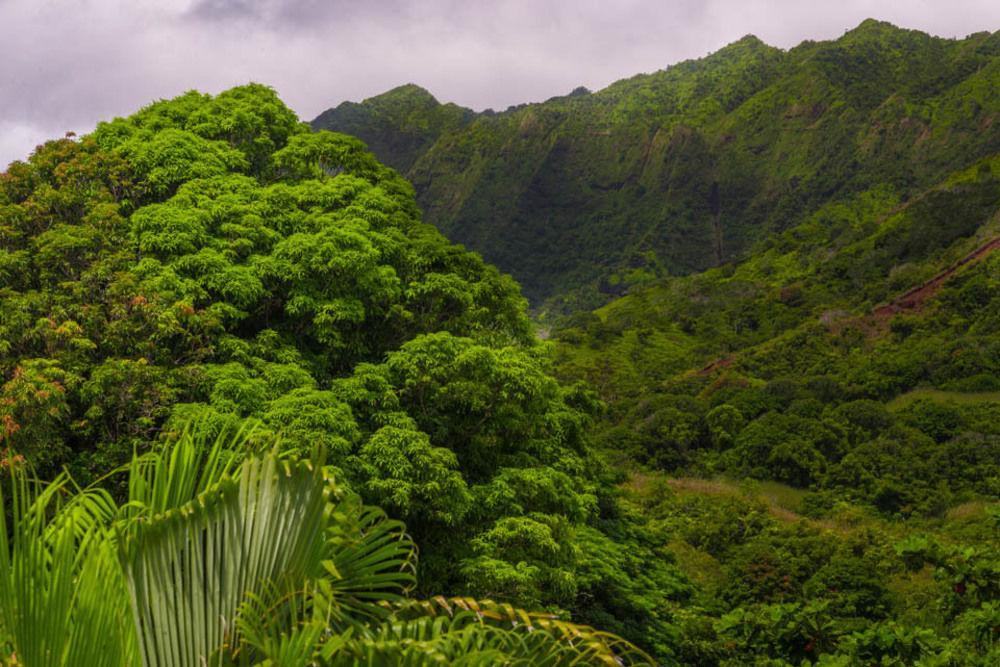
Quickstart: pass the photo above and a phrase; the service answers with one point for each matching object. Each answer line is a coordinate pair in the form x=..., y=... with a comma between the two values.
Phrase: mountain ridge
x=683, y=169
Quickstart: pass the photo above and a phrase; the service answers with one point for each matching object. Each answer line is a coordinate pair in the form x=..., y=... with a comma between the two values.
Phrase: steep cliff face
x=683, y=169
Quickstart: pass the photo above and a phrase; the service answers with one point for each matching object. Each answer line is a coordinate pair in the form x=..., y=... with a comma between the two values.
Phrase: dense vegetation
x=208, y=312
x=211, y=261
x=806, y=412
x=818, y=429
x=850, y=366
x=226, y=555
x=678, y=171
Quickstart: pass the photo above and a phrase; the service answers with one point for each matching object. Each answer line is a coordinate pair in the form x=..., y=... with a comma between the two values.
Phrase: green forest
x=682, y=170
x=258, y=407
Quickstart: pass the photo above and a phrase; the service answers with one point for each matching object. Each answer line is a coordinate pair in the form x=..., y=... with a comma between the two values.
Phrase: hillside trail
x=910, y=300
x=915, y=297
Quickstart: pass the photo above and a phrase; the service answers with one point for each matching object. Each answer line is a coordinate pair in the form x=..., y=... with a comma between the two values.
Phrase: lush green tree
x=223, y=554
x=211, y=261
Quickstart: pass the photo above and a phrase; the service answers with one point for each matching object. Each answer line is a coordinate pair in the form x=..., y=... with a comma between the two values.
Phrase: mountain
x=867, y=300
x=779, y=271
x=401, y=124
x=582, y=196
x=775, y=442
x=839, y=386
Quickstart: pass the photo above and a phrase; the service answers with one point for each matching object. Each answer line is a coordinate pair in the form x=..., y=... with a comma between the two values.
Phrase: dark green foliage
x=826, y=406
x=584, y=196
x=786, y=368
x=776, y=588
x=398, y=126
x=849, y=362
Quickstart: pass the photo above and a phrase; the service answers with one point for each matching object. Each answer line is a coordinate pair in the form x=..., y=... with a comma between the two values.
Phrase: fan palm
x=224, y=556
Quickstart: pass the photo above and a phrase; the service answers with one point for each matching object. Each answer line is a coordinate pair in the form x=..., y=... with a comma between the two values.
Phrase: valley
x=796, y=343
x=702, y=368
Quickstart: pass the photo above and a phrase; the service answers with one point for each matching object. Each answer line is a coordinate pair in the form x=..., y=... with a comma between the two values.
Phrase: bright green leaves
x=471, y=397
x=163, y=160
x=237, y=285
x=482, y=453
x=403, y=473
x=337, y=281
x=321, y=154
x=208, y=258
x=517, y=491
x=165, y=231
x=521, y=539
x=204, y=220
x=64, y=251
x=314, y=419
x=252, y=118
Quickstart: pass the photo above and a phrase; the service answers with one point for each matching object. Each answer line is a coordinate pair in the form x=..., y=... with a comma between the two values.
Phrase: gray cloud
x=67, y=64
x=293, y=14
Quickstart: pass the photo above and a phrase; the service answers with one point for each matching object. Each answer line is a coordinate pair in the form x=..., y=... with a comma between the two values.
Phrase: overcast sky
x=68, y=63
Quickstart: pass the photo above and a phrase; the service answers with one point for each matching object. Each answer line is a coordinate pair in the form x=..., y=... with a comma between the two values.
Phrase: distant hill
x=401, y=124
x=582, y=196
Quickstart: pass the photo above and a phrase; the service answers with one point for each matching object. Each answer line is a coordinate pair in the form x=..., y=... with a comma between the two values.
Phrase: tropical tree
x=236, y=552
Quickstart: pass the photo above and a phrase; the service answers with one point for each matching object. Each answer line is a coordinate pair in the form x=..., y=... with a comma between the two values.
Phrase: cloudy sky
x=68, y=63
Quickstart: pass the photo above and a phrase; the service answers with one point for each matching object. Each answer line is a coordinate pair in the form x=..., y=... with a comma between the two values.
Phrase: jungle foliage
x=839, y=432
x=816, y=429
x=583, y=196
x=795, y=253
x=776, y=445
x=211, y=261
x=232, y=553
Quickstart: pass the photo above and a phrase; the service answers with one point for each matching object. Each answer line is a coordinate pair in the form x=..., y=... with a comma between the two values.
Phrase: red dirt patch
x=916, y=297
x=725, y=362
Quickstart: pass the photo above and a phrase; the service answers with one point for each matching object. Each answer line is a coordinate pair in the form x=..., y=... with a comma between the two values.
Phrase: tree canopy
x=211, y=261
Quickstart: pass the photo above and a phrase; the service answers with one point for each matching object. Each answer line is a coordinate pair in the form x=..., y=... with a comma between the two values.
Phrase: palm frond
x=219, y=558
x=372, y=560
x=178, y=472
x=62, y=594
x=369, y=568
x=190, y=568
x=464, y=628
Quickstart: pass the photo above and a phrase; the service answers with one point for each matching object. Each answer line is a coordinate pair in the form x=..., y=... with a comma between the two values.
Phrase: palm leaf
x=177, y=473
x=370, y=566
x=372, y=561
x=190, y=568
x=481, y=632
x=62, y=594
x=225, y=562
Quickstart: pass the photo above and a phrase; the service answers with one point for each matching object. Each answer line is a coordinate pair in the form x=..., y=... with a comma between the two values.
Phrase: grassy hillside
x=583, y=196
x=813, y=431
x=754, y=368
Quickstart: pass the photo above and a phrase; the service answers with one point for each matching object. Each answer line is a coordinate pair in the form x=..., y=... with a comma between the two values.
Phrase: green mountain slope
x=807, y=439
x=815, y=431
x=865, y=301
x=678, y=171
x=400, y=125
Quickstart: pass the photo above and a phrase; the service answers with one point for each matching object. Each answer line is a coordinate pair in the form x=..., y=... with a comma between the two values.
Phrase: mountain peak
x=749, y=39
x=875, y=28
x=408, y=92
x=748, y=45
